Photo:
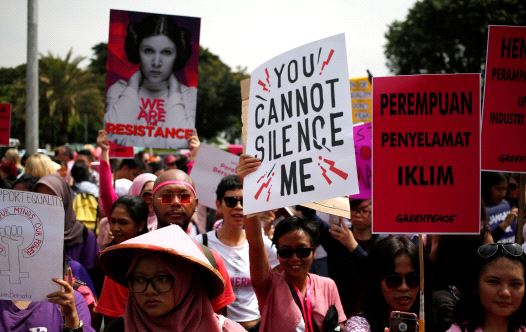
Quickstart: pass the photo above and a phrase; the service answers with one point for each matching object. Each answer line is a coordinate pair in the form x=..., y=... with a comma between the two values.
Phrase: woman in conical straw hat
x=170, y=282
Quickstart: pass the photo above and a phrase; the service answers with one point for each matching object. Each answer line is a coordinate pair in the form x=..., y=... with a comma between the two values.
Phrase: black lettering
x=317, y=86
x=260, y=141
x=384, y=102
x=278, y=74
x=303, y=136
x=288, y=183
x=333, y=98
x=285, y=140
x=259, y=124
x=295, y=78
x=334, y=129
x=305, y=72
x=303, y=177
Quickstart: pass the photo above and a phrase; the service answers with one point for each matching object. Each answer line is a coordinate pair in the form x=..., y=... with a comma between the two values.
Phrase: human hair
x=132, y=163
x=39, y=165
x=488, y=180
x=65, y=150
x=229, y=182
x=154, y=25
x=86, y=153
x=291, y=224
x=26, y=180
x=136, y=208
x=80, y=171
x=13, y=156
x=382, y=263
x=470, y=313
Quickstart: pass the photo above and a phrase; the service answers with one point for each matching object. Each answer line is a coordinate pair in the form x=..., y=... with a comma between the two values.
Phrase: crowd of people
x=154, y=259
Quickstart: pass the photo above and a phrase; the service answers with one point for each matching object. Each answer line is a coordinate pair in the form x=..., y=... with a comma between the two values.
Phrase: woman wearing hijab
x=170, y=282
x=80, y=244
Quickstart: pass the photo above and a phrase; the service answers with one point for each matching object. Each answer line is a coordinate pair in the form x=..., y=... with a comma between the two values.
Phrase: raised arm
x=107, y=194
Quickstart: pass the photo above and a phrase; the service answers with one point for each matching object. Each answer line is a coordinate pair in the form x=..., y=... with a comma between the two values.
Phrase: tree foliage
x=447, y=36
x=72, y=98
x=66, y=92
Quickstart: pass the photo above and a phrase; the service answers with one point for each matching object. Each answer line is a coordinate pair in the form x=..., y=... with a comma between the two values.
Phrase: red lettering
x=110, y=128
x=188, y=133
x=170, y=132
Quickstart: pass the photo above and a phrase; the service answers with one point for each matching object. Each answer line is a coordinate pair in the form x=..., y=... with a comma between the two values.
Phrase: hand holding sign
x=66, y=300
x=247, y=164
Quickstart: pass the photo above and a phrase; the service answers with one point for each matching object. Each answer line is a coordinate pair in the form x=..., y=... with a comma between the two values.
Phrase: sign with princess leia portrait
x=152, y=79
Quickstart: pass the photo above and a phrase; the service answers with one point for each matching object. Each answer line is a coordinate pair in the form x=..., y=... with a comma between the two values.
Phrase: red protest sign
x=426, y=154
x=503, y=125
x=5, y=123
x=119, y=151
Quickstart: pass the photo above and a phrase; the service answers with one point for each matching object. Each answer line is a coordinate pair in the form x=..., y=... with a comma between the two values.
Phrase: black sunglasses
x=490, y=249
x=300, y=252
x=393, y=281
x=231, y=201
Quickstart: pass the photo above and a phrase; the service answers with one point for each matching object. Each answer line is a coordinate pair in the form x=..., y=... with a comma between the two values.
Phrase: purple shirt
x=41, y=316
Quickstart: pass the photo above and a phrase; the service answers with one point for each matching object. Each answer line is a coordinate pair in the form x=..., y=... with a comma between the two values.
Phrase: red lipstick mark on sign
x=326, y=62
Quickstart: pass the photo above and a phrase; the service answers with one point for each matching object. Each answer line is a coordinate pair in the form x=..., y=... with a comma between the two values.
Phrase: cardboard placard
x=300, y=126
x=363, y=152
x=211, y=165
x=426, y=154
x=31, y=244
x=361, y=96
x=151, y=82
x=503, y=123
x=5, y=123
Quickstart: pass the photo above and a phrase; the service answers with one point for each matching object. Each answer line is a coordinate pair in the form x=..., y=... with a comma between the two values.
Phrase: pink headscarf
x=137, y=186
x=195, y=313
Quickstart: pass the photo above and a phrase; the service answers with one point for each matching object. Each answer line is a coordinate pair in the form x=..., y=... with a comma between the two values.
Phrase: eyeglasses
x=160, y=283
x=182, y=198
x=147, y=196
x=490, y=249
x=300, y=252
x=362, y=210
x=231, y=201
x=393, y=281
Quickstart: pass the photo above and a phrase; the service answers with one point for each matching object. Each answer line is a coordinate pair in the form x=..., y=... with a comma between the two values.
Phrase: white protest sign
x=211, y=165
x=300, y=127
x=31, y=244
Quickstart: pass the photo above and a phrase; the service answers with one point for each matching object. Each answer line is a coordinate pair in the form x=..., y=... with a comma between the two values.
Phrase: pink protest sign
x=362, y=151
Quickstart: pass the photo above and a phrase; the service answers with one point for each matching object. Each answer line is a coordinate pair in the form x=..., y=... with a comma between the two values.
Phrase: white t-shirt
x=245, y=307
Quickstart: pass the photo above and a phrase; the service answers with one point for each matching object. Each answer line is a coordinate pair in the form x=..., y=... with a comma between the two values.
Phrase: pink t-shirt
x=278, y=310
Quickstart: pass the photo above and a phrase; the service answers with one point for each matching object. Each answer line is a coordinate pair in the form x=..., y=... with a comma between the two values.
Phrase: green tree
x=447, y=36
x=67, y=91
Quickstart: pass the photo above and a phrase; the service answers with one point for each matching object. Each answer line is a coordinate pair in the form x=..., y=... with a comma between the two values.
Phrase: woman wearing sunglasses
x=170, y=282
x=496, y=300
x=393, y=284
x=294, y=299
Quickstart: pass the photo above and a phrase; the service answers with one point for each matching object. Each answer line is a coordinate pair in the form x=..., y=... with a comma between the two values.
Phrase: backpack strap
x=205, y=239
x=209, y=255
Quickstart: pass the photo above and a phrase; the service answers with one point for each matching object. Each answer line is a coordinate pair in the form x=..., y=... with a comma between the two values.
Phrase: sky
x=243, y=33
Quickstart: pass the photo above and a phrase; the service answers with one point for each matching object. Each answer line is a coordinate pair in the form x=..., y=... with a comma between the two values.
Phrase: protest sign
x=5, y=123
x=211, y=165
x=503, y=122
x=31, y=244
x=362, y=149
x=119, y=151
x=361, y=99
x=152, y=89
x=300, y=127
x=426, y=146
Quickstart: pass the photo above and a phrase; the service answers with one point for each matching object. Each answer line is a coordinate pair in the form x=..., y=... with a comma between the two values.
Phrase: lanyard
x=306, y=306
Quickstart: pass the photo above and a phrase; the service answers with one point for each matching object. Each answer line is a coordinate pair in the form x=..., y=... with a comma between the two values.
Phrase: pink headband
x=165, y=183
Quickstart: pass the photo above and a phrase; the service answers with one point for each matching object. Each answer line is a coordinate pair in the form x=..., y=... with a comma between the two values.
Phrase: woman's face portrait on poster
x=157, y=55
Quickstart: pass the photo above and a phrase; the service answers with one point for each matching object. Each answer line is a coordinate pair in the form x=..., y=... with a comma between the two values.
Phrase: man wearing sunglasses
x=231, y=243
x=174, y=202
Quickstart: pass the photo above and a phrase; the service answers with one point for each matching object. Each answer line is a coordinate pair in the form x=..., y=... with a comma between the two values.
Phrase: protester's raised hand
x=102, y=140
x=66, y=300
x=135, y=80
x=193, y=145
x=247, y=164
x=344, y=235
